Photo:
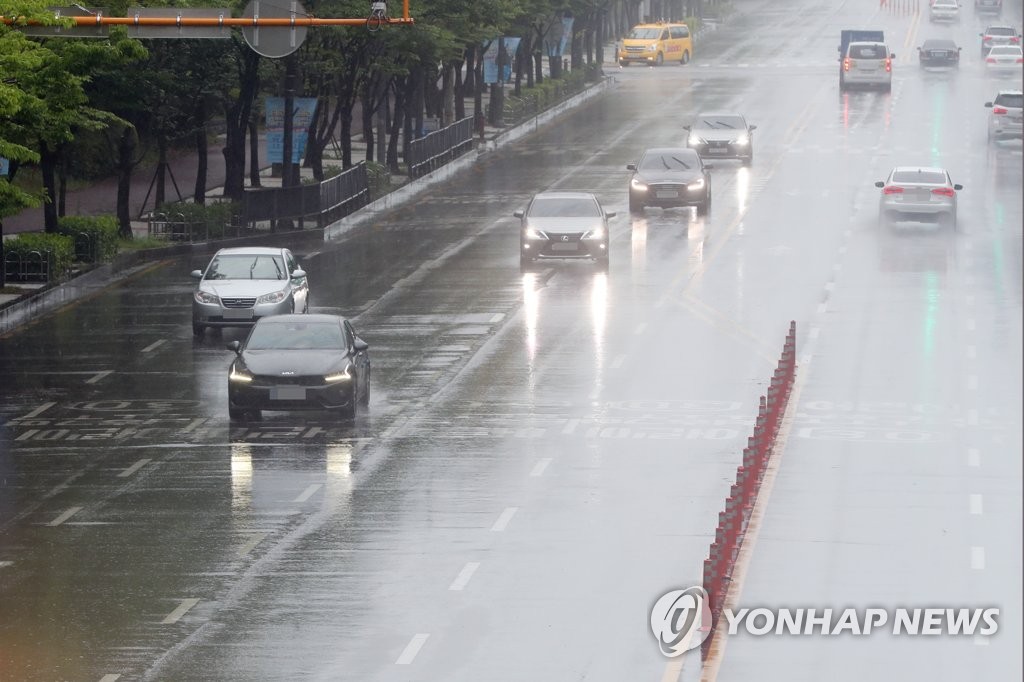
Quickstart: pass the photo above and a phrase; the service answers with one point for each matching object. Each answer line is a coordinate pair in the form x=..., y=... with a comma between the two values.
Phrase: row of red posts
x=732, y=523
x=902, y=6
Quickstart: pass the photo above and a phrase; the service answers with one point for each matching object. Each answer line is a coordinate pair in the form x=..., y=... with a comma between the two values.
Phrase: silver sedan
x=917, y=194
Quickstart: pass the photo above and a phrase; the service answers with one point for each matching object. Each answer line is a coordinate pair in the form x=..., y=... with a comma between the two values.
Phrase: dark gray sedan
x=668, y=177
x=725, y=136
x=299, y=362
x=938, y=52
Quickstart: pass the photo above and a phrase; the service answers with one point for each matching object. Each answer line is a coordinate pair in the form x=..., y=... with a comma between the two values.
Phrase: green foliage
x=95, y=237
x=60, y=250
x=207, y=220
x=379, y=178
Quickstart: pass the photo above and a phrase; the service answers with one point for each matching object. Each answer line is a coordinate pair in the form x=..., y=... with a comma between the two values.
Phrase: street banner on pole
x=491, y=60
x=305, y=107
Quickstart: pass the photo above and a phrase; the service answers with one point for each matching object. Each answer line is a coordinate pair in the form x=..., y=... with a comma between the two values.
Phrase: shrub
x=95, y=237
x=379, y=178
x=58, y=249
x=208, y=221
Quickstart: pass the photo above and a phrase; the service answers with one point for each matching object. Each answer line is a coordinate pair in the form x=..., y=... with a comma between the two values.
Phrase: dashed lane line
x=39, y=410
x=65, y=515
x=539, y=467
x=506, y=516
x=408, y=654
x=974, y=457
x=134, y=468
x=308, y=492
x=975, y=504
x=183, y=608
x=100, y=376
x=153, y=346
x=251, y=545
x=978, y=558
x=464, y=576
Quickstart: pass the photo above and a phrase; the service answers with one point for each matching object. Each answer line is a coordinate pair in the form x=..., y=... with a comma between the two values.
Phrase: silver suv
x=241, y=285
x=867, y=64
x=1007, y=116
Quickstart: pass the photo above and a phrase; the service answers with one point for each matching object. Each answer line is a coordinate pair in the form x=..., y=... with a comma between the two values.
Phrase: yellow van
x=656, y=44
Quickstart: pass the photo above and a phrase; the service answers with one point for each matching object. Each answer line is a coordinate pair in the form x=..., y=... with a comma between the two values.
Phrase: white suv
x=1007, y=115
x=867, y=64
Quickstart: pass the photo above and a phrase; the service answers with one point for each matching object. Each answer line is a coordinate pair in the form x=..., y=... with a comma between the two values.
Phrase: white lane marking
x=183, y=608
x=153, y=346
x=539, y=467
x=570, y=427
x=971, y=325
x=133, y=468
x=974, y=457
x=640, y=328
x=462, y=579
x=972, y=352
x=251, y=545
x=970, y=299
x=976, y=504
x=813, y=333
x=972, y=382
x=100, y=376
x=64, y=484
x=192, y=425
x=822, y=307
x=28, y=434
x=67, y=514
x=39, y=410
x=842, y=249
x=972, y=417
x=308, y=492
x=4, y=564
x=617, y=362
x=503, y=520
x=497, y=317
x=412, y=648
x=111, y=677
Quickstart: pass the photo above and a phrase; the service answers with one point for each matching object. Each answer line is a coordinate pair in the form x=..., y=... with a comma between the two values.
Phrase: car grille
x=277, y=380
x=238, y=302
x=667, y=187
x=565, y=236
x=634, y=49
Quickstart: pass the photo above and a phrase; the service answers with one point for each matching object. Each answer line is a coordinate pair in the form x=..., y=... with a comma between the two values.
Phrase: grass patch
x=14, y=290
x=141, y=243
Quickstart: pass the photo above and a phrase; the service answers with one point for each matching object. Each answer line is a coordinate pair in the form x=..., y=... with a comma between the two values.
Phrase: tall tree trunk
x=254, y=153
x=368, y=126
x=471, y=83
x=62, y=178
x=237, y=120
x=448, y=93
x=201, y=151
x=383, y=114
x=346, y=138
x=48, y=168
x=397, y=122
x=161, y=169
x=459, y=92
x=125, y=163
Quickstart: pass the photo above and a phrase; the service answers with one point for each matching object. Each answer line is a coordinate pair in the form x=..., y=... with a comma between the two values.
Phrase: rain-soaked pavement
x=546, y=452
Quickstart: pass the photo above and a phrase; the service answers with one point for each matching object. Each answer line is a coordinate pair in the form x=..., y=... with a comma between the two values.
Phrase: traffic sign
x=274, y=42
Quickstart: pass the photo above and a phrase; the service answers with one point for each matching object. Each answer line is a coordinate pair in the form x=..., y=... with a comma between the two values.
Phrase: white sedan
x=1005, y=60
x=944, y=10
x=917, y=194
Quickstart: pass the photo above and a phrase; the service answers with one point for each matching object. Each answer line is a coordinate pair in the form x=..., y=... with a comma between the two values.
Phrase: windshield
x=919, y=177
x=563, y=207
x=242, y=266
x=644, y=34
x=720, y=123
x=677, y=160
x=296, y=336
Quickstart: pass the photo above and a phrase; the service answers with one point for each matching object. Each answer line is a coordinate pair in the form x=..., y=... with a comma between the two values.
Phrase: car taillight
x=888, y=64
x=1015, y=39
x=846, y=64
x=998, y=110
x=943, y=191
x=990, y=60
x=892, y=190
x=1020, y=60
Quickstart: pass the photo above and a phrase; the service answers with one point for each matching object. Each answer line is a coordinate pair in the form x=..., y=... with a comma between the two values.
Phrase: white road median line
x=112, y=677
x=975, y=505
x=39, y=410
x=539, y=467
x=464, y=576
x=506, y=516
x=183, y=608
x=978, y=558
x=153, y=346
x=308, y=492
x=133, y=468
x=251, y=545
x=412, y=648
x=100, y=376
x=68, y=513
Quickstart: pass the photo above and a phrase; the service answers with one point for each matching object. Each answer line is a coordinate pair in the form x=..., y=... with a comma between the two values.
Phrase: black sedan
x=564, y=225
x=727, y=136
x=299, y=362
x=938, y=52
x=667, y=177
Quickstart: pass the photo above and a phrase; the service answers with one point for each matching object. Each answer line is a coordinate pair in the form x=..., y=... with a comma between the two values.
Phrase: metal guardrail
x=33, y=266
x=434, y=150
x=323, y=202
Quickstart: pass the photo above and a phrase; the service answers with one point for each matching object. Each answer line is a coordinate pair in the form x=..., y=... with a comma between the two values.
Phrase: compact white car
x=917, y=194
x=868, y=64
x=1005, y=60
x=1005, y=121
x=944, y=10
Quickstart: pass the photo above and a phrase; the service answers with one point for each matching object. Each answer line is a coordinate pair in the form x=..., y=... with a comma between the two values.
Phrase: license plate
x=564, y=246
x=940, y=54
x=667, y=195
x=238, y=314
x=718, y=150
x=288, y=393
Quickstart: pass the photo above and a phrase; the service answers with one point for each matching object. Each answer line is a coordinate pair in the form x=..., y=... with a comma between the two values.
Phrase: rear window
x=1005, y=50
x=948, y=45
x=550, y=207
x=1000, y=31
x=1012, y=101
x=867, y=51
x=919, y=177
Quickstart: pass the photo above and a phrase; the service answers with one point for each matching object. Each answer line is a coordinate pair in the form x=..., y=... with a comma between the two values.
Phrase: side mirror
x=235, y=346
x=298, y=273
x=918, y=49
x=360, y=345
x=958, y=187
x=708, y=166
x=892, y=55
x=197, y=274
x=517, y=214
x=610, y=214
x=631, y=166
x=687, y=127
x=988, y=105
x=879, y=184
x=752, y=128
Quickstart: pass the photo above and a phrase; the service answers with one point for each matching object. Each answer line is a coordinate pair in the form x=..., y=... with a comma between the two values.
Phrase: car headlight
x=638, y=184
x=694, y=186
x=596, y=233
x=652, y=47
x=344, y=375
x=696, y=140
x=240, y=375
x=534, y=234
x=275, y=297
x=206, y=297
x=743, y=140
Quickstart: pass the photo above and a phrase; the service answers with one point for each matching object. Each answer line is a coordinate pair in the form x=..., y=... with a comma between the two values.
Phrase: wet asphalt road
x=546, y=452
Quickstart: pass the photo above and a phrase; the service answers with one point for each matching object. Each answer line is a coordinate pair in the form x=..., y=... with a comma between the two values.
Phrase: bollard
x=746, y=479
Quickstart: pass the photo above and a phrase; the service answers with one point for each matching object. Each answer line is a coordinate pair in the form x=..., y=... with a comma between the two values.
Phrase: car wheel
x=659, y=60
x=704, y=207
x=602, y=262
x=750, y=159
x=525, y=262
x=364, y=400
x=198, y=329
x=686, y=57
x=887, y=87
x=349, y=411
